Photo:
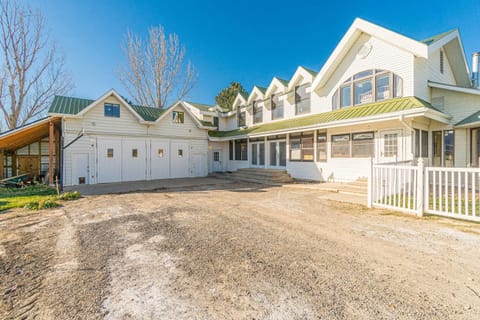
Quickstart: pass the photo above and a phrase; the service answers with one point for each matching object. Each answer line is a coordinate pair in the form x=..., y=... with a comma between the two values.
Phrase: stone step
x=260, y=175
x=270, y=173
x=265, y=176
x=285, y=179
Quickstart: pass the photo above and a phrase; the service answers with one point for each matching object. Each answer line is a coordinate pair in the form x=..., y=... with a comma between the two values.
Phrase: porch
x=33, y=150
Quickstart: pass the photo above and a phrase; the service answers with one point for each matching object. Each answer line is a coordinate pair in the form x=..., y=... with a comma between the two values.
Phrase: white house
x=380, y=97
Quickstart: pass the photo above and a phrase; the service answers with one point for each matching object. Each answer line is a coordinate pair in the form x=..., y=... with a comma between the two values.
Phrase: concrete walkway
x=134, y=186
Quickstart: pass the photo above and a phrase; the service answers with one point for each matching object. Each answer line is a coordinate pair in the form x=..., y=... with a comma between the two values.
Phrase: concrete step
x=259, y=175
x=265, y=176
x=259, y=178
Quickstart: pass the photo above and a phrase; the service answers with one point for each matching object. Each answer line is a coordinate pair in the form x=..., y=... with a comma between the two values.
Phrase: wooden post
x=370, y=184
x=1, y=164
x=51, y=148
x=420, y=192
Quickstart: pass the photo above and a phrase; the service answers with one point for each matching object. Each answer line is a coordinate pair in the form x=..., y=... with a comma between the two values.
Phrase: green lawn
x=18, y=198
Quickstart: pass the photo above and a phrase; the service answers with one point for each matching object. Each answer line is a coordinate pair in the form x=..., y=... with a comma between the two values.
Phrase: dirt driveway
x=235, y=251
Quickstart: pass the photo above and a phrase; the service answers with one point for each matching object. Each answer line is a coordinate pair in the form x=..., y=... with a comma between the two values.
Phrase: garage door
x=160, y=159
x=179, y=157
x=134, y=159
x=109, y=155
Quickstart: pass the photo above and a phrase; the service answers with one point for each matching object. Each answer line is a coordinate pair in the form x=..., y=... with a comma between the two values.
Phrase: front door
x=258, y=154
x=390, y=146
x=278, y=154
x=217, y=161
x=79, y=168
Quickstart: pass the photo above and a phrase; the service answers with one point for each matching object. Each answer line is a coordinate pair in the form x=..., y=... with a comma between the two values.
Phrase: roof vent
x=476, y=70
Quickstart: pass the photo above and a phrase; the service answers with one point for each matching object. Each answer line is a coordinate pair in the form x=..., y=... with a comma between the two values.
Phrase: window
x=160, y=153
x=321, y=146
x=215, y=122
x=277, y=107
x=443, y=148
x=178, y=117
x=134, y=153
x=390, y=145
x=341, y=146
x=111, y=110
x=301, y=147
x=421, y=143
x=441, y=62
x=216, y=156
x=241, y=149
x=240, y=117
x=363, y=145
x=302, y=99
x=230, y=149
x=437, y=148
x=257, y=113
x=180, y=153
x=110, y=153
x=367, y=86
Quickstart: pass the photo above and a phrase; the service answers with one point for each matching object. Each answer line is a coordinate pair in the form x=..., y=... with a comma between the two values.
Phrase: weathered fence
x=450, y=192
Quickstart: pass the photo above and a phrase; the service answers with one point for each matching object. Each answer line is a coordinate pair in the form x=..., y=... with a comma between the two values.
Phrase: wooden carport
x=13, y=140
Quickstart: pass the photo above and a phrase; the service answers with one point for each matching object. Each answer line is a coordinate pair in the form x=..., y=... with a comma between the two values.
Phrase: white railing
x=450, y=192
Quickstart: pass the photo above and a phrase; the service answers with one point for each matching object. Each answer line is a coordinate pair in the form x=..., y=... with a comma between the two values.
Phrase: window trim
x=111, y=113
x=180, y=117
x=393, y=80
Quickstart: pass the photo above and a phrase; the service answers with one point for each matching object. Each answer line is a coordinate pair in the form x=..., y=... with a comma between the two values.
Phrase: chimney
x=476, y=70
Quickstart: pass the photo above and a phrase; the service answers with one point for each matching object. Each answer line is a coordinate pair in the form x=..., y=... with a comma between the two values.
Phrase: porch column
x=51, y=148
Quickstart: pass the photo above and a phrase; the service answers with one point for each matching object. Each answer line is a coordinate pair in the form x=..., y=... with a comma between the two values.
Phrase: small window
x=216, y=156
x=110, y=153
x=215, y=122
x=180, y=153
x=341, y=146
x=230, y=149
x=134, y=153
x=111, y=110
x=241, y=118
x=363, y=145
x=178, y=117
x=160, y=153
x=257, y=113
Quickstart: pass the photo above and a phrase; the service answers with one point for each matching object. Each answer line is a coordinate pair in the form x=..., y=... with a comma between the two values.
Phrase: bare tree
x=156, y=72
x=31, y=71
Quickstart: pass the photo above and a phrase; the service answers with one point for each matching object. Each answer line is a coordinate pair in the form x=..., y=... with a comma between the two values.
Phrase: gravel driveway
x=235, y=251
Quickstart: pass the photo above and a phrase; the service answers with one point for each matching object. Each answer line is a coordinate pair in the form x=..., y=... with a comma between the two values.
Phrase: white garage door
x=109, y=155
x=134, y=159
x=160, y=159
x=179, y=159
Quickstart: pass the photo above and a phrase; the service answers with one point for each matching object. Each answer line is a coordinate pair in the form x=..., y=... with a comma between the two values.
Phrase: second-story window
x=257, y=113
x=277, y=107
x=111, y=110
x=240, y=118
x=367, y=86
x=302, y=99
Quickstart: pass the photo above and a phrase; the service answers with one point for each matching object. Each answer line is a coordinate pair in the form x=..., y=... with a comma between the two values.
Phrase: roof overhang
x=358, y=28
x=256, y=93
x=450, y=87
x=301, y=76
x=27, y=134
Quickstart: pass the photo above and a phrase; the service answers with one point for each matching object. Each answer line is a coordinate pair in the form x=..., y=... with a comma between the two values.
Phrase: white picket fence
x=450, y=192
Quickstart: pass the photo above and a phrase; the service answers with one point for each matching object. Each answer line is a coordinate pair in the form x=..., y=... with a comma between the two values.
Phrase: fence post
x=420, y=181
x=370, y=184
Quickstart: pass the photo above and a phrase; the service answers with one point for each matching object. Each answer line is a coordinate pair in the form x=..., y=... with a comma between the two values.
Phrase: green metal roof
x=201, y=106
x=244, y=95
x=437, y=37
x=473, y=118
x=313, y=73
x=283, y=81
x=71, y=105
x=371, y=109
x=262, y=89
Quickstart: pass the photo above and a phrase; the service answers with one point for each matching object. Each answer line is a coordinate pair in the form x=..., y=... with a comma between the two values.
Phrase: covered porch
x=33, y=150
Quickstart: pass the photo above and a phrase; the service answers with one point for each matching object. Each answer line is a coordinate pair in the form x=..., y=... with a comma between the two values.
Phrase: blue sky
x=245, y=41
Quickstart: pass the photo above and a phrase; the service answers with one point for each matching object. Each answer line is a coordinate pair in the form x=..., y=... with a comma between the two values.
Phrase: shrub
x=41, y=204
x=69, y=196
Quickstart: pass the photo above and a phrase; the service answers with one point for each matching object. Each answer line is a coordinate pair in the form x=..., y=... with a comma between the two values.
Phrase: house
x=380, y=97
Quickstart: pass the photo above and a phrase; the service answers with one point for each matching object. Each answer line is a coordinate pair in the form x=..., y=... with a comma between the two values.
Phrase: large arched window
x=367, y=86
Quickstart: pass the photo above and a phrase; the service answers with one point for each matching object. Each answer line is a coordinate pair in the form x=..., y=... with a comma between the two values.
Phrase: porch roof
x=471, y=120
x=382, y=108
x=27, y=134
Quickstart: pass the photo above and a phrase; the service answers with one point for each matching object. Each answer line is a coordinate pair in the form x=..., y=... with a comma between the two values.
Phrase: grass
x=32, y=197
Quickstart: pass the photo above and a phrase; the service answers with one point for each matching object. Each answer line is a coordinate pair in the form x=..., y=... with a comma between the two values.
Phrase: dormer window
x=276, y=106
x=257, y=113
x=240, y=117
x=366, y=87
x=302, y=99
x=111, y=110
x=178, y=117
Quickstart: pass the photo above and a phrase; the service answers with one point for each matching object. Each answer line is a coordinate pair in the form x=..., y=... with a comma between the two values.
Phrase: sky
x=246, y=41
